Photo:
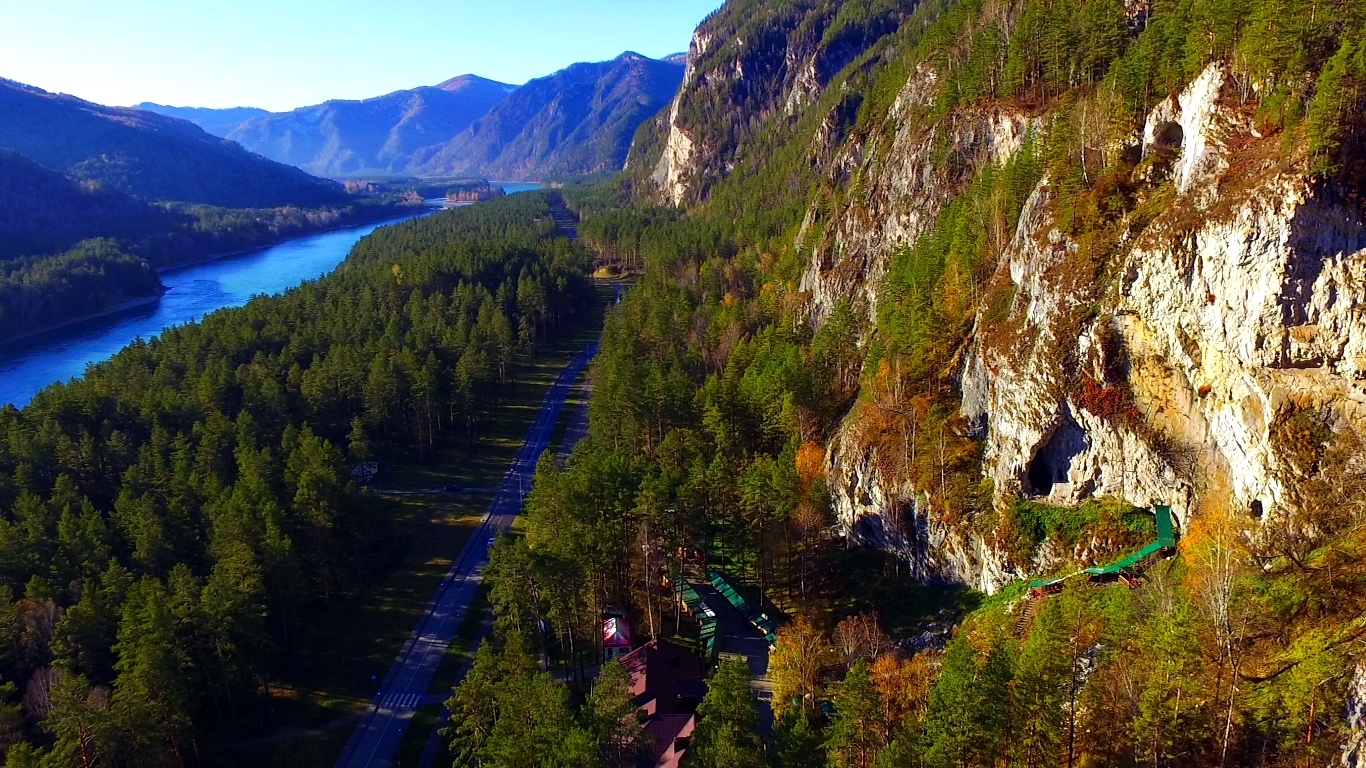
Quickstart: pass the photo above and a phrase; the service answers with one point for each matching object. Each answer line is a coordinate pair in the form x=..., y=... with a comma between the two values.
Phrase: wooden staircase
x=1031, y=607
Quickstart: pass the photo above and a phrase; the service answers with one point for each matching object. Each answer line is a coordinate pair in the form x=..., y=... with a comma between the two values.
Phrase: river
x=30, y=364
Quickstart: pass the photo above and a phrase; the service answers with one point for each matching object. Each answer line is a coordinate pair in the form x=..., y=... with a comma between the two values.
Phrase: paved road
x=379, y=733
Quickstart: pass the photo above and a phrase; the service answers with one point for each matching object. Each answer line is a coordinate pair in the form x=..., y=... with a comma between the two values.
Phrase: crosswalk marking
x=401, y=700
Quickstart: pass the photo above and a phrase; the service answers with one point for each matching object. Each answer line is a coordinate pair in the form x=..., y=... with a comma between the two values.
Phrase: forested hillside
x=42, y=211
x=948, y=296
x=173, y=516
x=147, y=155
x=77, y=238
x=68, y=249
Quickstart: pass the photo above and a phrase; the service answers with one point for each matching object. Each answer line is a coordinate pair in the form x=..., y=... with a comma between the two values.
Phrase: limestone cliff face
x=1243, y=299
x=749, y=63
x=894, y=197
x=1238, y=297
x=675, y=165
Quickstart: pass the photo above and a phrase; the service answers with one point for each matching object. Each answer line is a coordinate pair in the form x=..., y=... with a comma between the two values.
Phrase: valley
x=881, y=384
x=44, y=357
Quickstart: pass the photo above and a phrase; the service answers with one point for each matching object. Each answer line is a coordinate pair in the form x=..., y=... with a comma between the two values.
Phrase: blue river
x=30, y=364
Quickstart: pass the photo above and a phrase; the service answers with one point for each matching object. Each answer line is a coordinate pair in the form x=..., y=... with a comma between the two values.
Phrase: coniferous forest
x=716, y=396
x=772, y=401
x=177, y=512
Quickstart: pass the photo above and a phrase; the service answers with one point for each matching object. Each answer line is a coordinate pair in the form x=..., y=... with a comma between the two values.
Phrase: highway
x=377, y=736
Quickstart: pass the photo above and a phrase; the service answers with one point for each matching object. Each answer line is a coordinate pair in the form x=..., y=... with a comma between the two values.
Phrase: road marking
x=397, y=701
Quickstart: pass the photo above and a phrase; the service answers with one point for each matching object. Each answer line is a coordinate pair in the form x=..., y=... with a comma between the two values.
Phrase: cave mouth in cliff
x=1053, y=462
x=1169, y=135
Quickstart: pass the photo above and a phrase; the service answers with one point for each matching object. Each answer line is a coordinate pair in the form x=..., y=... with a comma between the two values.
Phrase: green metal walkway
x=755, y=616
x=1165, y=543
x=706, y=619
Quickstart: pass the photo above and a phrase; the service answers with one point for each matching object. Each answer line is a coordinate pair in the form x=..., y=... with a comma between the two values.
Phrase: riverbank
x=392, y=214
x=32, y=364
x=389, y=216
x=114, y=310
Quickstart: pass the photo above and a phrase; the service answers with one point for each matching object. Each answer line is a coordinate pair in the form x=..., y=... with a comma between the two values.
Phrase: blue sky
x=281, y=54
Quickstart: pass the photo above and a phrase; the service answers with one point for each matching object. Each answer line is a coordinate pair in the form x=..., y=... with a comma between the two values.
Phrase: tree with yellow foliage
x=795, y=666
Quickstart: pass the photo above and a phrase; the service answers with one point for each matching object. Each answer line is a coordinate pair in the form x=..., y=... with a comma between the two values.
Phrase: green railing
x=1165, y=542
x=755, y=616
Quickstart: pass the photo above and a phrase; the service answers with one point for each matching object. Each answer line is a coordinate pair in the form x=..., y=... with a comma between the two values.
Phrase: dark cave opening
x=1053, y=461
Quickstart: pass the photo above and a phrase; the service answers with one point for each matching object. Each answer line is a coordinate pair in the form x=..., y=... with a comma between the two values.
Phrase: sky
x=282, y=54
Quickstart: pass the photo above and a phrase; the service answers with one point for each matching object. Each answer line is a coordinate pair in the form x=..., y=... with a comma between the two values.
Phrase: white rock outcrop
x=1245, y=298
x=1354, y=749
x=897, y=197
x=675, y=165
x=893, y=517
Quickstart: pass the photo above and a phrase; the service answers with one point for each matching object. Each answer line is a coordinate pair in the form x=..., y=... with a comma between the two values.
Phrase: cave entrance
x=1053, y=461
x=1169, y=136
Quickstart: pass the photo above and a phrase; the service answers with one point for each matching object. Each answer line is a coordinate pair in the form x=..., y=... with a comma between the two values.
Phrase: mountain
x=579, y=120
x=42, y=211
x=219, y=122
x=148, y=155
x=997, y=287
x=372, y=136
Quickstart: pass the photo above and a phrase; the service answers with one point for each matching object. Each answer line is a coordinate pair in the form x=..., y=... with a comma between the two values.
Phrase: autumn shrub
x=1111, y=402
x=1300, y=438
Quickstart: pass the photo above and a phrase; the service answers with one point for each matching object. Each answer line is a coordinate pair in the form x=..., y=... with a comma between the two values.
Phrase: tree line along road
x=380, y=731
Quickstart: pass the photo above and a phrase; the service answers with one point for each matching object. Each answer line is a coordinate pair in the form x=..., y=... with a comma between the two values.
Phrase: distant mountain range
x=148, y=155
x=219, y=122
x=577, y=121
x=373, y=136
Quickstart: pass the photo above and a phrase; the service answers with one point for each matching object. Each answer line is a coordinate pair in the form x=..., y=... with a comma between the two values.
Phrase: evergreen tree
x=611, y=712
x=474, y=706
x=82, y=724
x=727, y=734
x=797, y=743
x=968, y=713
x=152, y=697
x=357, y=444
x=857, y=732
x=1043, y=685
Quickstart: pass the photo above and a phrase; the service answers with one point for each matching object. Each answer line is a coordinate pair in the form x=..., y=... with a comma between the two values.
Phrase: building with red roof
x=668, y=684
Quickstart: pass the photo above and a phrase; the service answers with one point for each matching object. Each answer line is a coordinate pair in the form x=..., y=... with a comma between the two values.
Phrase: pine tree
x=611, y=713
x=474, y=706
x=968, y=713
x=81, y=723
x=857, y=732
x=357, y=444
x=152, y=697
x=1336, y=112
x=1043, y=680
x=797, y=742
x=727, y=734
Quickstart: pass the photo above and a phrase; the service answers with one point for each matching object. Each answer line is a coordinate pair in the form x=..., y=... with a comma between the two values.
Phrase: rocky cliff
x=1155, y=364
